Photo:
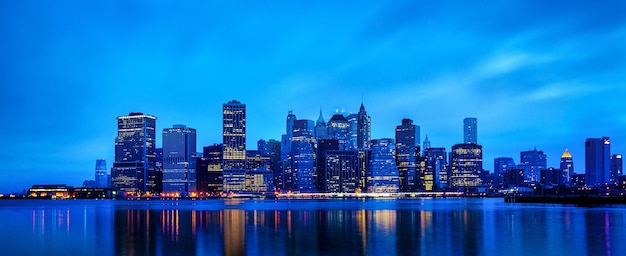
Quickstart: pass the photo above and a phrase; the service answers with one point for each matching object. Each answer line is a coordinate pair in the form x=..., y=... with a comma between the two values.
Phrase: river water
x=459, y=226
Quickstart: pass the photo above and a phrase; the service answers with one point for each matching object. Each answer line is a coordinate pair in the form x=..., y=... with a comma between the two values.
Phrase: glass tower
x=567, y=167
x=470, y=130
x=179, y=163
x=382, y=172
x=234, y=140
x=101, y=174
x=364, y=129
x=405, y=154
x=597, y=157
x=134, y=170
x=466, y=165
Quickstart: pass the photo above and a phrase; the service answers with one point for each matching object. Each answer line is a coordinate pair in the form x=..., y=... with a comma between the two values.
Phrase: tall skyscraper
x=343, y=171
x=616, y=167
x=567, y=167
x=364, y=129
x=426, y=144
x=405, y=154
x=435, y=176
x=101, y=174
x=179, y=163
x=259, y=176
x=382, y=172
x=353, y=123
x=466, y=162
x=302, y=157
x=134, y=170
x=321, y=128
x=597, y=157
x=532, y=162
x=234, y=140
x=470, y=128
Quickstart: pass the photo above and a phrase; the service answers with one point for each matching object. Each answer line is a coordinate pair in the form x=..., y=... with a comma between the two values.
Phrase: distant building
x=209, y=170
x=302, y=175
x=435, y=176
x=597, y=157
x=551, y=177
x=179, y=163
x=502, y=164
x=616, y=167
x=426, y=143
x=344, y=171
x=321, y=128
x=533, y=161
x=134, y=170
x=234, y=143
x=271, y=149
x=466, y=165
x=578, y=180
x=470, y=128
x=89, y=183
x=513, y=178
x=567, y=167
x=382, y=173
x=101, y=179
x=405, y=154
x=353, y=122
x=338, y=129
x=364, y=129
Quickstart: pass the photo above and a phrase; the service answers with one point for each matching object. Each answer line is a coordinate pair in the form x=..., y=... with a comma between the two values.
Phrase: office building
x=616, y=167
x=597, y=161
x=101, y=180
x=470, y=128
x=234, y=143
x=353, y=123
x=567, y=167
x=466, y=162
x=179, y=163
x=209, y=170
x=435, y=176
x=405, y=154
x=271, y=149
x=343, y=171
x=382, y=172
x=321, y=128
x=302, y=172
x=338, y=129
x=533, y=161
x=259, y=176
x=134, y=170
x=364, y=129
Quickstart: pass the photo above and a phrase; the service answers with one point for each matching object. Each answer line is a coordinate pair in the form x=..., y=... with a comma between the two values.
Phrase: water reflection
x=410, y=227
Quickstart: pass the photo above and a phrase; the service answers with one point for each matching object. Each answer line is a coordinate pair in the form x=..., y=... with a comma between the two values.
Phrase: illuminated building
x=353, y=122
x=302, y=172
x=101, y=180
x=323, y=146
x=532, y=161
x=271, y=149
x=470, y=128
x=405, y=154
x=134, y=169
x=49, y=191
x=436, y=174
x=597, y=157
x=209, y=170
x=616, y=167
x=343, y=171
x=567, y=167
x=426, y=144
x=513, y=177
x=502, y=164
x=285, y=153
x=234, y=141
x=259, y=176
x=364, y=129
x=382, y=172
x=466, y=162
x=179, y=163
x=338, y=129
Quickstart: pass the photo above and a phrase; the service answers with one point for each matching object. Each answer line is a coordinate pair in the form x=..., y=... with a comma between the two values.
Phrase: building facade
x=382, y=172
x=101, y=179
x=234, y=143
x=364, y=130
x=597, y=157
x=533, y=161
x=567, y=167
x=466, y=161
x=179, y=163
x=209, y=170
x=134, y=170
x=405, y=154
x=470, y=130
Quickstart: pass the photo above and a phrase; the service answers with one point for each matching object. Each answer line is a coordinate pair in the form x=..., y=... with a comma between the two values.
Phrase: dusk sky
x=535, y=74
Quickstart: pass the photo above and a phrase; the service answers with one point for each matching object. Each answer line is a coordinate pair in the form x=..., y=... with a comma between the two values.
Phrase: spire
x=426, y=142
x=362, y=109
x=321, y=118
x=566, y=154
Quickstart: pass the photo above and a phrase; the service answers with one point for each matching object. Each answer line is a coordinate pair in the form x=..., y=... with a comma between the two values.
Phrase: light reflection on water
x=324, y=227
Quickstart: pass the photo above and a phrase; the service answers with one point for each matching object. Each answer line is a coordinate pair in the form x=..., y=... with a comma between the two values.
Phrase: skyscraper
x=470, y=128
x=466, y=162
x=533, y=161
x=567, y=167
x=302, y=157
x=426, y=144
x=405, y=154
x=271, y=149
x=321, y=128
x=209, y=170
x=101, y=174
x=364, y=129
x=597, y=157
x=338, y=129
x=352, y=139
x=134, y=170
x=435, y=176
x=382, y=172
x=616, y=167
x=179, y=163
x=234, y=140
x=502, y=164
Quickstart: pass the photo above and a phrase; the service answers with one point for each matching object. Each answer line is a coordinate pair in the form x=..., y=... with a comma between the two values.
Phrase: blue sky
x=534, y=74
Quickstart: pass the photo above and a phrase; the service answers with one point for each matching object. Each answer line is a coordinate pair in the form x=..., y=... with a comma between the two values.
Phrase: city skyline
x=535, y=75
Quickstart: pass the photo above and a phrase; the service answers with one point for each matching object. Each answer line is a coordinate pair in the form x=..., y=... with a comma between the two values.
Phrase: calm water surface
x=465, y=226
